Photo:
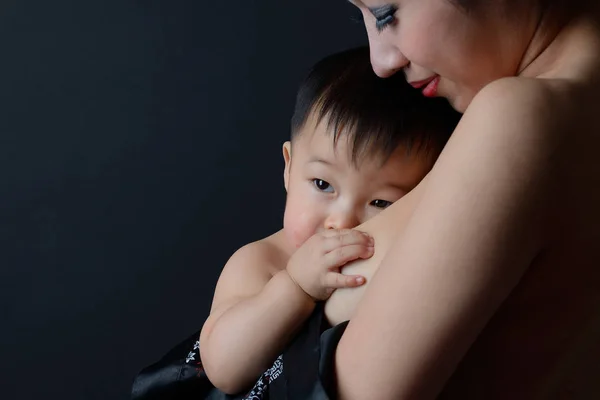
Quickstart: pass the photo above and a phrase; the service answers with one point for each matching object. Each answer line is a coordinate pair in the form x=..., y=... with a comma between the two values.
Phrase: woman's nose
x=386, y=59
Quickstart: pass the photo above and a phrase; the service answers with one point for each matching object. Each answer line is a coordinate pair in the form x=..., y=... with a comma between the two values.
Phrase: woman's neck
x=562, y=47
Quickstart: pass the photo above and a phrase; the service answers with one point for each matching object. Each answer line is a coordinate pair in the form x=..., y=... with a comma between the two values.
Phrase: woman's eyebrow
x=382, y=11
x=356, y=3
x=378, y=12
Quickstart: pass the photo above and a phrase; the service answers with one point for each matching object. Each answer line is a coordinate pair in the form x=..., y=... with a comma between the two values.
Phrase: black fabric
x=328, y=342
x=172, y=377
x=304, y=371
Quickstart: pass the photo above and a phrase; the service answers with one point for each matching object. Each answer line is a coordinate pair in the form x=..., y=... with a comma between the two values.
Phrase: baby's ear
x=287, y=158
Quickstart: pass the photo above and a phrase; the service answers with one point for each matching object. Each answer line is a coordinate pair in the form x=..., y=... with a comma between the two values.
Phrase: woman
x=491, y=288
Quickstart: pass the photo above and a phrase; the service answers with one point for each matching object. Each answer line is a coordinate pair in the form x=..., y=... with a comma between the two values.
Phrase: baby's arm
x=253, y=316
x=255, y=313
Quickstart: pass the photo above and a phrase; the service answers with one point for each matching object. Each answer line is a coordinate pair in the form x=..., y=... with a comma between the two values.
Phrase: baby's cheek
x=298, y=227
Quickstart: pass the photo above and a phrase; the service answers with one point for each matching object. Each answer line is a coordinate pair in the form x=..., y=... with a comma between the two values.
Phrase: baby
x=358, y=144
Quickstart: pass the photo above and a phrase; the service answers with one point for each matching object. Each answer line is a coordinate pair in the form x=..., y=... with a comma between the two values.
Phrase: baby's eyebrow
x=320, y=160
x=401, y=187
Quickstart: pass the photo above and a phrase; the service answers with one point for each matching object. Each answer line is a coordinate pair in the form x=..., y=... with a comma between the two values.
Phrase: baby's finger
x=342, y=255
x=335, y=280
x=346, y=238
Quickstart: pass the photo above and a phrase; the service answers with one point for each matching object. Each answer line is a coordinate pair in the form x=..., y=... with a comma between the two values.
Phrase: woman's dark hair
x=377, y=115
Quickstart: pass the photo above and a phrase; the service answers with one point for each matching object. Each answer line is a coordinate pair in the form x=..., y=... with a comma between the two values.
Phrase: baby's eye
x=323, y=186
x=381, y=203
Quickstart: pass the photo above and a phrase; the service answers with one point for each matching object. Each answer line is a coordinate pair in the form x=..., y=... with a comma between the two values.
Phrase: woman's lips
x=428, y=86
x=431, y=89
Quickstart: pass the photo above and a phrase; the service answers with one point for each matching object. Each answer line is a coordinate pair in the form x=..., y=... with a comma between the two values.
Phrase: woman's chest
x=342, y=304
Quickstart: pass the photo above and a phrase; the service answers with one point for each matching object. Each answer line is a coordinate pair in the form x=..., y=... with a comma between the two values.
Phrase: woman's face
x=443, y=49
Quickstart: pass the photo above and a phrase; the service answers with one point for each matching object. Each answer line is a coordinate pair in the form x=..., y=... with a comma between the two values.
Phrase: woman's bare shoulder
x=520, y=108
x=514, y=126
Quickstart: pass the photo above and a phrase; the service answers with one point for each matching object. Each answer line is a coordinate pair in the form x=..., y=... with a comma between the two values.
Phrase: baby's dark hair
x=377, y=115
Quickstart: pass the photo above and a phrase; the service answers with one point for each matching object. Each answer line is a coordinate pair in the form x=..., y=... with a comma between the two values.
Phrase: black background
x=140, y=145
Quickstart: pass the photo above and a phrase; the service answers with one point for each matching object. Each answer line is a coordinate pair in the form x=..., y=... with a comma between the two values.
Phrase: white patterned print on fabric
x=261, y=386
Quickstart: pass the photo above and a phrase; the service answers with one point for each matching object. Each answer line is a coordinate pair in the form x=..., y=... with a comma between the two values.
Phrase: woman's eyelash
x=383, y=23
x=384, y=17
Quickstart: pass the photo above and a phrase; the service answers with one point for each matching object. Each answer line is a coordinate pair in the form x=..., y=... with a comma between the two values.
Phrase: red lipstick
x=428, y=86
x=420, y=84
x=430, y=90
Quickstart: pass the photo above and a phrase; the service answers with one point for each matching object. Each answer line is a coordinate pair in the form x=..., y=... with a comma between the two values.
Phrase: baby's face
x=326, y=190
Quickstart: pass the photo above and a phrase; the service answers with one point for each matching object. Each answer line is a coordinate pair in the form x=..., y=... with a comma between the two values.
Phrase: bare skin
x=342, y=303
x=485, y=283
x=276, y=281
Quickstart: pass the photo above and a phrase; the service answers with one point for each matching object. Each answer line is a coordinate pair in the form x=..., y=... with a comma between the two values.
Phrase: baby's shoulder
x=267, y=254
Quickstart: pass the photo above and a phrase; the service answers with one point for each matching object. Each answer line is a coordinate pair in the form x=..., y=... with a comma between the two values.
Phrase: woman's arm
x=474, y=233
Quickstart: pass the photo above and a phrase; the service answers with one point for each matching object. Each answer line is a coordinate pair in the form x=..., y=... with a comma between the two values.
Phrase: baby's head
x=358, y=144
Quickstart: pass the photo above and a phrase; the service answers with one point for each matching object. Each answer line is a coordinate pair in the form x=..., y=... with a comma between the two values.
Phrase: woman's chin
x=459, y=102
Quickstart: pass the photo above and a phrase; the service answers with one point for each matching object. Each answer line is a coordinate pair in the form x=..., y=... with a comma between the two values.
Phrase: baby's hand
x=315, y=266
